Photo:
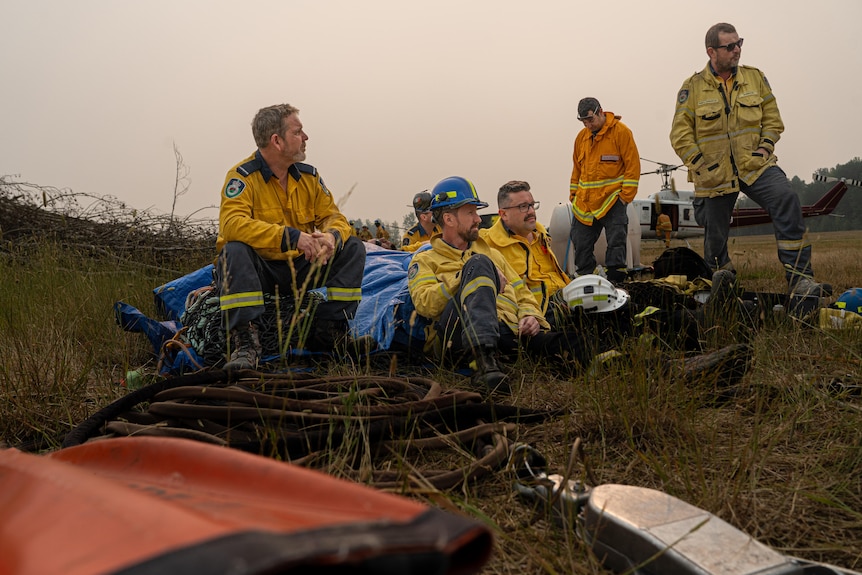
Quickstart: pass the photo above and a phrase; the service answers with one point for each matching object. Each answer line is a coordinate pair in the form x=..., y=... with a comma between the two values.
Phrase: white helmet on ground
x=594, y=294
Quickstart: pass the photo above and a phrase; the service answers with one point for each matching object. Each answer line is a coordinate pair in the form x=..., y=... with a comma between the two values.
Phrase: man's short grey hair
x=716, y=29
x=509, y=188
x=269, y=121
x=587, y=105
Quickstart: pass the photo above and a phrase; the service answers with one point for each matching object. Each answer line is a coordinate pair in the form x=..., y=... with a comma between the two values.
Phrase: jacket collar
x=709, y=75
x=610, y=121
x=441, y=246
x=503, y=236
x=266, y=171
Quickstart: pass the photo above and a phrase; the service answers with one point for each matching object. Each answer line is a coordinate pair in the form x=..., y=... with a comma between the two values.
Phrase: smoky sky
x=395, y=95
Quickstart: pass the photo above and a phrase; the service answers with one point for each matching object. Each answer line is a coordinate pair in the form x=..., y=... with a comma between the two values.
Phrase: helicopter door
x=673, y=212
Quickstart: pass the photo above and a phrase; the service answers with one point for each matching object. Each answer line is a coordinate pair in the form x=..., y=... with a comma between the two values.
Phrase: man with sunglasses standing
x=605, y=175
x=725, y=129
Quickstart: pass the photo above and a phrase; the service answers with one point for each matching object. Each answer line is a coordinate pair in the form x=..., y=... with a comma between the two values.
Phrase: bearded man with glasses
x=525, y=243
x=724, y=130
x=605, y=175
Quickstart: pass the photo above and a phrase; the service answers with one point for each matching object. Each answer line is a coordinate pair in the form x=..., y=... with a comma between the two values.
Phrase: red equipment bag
x=166, y=505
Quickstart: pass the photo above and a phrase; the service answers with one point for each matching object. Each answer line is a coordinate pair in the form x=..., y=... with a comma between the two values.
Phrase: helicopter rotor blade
x=828, y=179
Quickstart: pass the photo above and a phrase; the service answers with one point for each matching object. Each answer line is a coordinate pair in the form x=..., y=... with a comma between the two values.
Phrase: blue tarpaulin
x=386, y=312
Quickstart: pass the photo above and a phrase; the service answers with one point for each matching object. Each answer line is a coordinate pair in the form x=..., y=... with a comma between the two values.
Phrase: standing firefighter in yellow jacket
x=280, y=230
x=725, y=129
x=605, y=174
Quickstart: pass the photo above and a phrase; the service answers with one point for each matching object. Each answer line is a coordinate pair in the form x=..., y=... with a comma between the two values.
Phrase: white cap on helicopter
x=595, y=294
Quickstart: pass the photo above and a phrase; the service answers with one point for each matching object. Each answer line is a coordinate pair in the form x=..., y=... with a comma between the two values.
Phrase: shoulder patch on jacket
x=233, y=188
x=411, y=273
x=249, y=168
x=682, y=96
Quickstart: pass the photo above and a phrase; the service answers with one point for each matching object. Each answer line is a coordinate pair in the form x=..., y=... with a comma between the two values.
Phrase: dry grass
x=780, y=459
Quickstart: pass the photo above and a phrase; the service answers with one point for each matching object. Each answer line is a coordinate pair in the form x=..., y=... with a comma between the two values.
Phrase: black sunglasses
x=732, y=46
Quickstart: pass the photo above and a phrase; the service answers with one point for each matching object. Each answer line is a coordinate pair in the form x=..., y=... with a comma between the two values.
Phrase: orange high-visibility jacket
x=606, y=166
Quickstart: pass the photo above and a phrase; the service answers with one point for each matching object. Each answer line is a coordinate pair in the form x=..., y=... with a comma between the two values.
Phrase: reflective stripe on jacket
x=716, y=134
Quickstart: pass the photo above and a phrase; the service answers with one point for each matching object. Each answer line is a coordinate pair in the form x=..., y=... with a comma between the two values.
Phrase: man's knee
x=479, y=265
x=236, y=256
x=349, y=262
x=353, y=245
x=233, y=250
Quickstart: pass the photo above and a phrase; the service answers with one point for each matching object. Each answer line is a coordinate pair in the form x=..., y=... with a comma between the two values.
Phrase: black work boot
x=617, y=276
x=245, y=348
x=806, y=287
x=487, y=373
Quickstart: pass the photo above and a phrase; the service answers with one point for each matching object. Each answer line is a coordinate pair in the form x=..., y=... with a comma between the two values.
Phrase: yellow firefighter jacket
x=434, y=276
x=381, y=233
x=416, y=237
x=717, y=134
x=256, y=210
x=533, y=261
x=605, y=166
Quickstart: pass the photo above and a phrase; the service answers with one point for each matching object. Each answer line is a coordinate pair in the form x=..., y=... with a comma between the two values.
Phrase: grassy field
x=780, y=459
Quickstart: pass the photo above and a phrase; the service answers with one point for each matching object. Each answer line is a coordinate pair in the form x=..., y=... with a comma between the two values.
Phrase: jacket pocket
x=609, y=166
x=750, y=111
x=751, y=162
x=713, y=171
x=709, y=120
x=273, y=215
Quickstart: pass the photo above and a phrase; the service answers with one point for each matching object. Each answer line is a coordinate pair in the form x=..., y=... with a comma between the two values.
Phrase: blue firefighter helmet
x=454, y=192
x=851, y=300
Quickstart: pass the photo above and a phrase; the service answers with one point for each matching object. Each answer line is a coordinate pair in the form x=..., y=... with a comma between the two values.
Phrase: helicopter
x=678, y=206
